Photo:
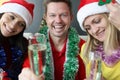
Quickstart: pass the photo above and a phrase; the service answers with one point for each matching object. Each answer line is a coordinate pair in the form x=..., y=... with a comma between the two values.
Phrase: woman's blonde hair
x=112, y=40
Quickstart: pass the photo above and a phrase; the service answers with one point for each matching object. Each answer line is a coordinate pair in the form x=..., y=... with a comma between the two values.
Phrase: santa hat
x=20, y=7
x=87, y=8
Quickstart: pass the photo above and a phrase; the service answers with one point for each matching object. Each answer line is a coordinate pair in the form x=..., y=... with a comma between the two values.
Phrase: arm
x=81, y=43
x=27, y=73
x=87, y=66
x=81, y=72
x=114, y=15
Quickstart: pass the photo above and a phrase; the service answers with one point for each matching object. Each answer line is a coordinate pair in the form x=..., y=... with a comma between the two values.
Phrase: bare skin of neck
x=59, y=42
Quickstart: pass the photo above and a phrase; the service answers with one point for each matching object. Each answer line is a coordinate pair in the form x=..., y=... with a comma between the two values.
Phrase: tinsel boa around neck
x=72, y=50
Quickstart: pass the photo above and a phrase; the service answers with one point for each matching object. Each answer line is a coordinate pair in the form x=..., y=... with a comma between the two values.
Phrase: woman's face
x=11, y=24
x=96, y=26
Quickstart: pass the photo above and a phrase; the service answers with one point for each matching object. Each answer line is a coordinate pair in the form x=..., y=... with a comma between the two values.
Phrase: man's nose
x=58, y=19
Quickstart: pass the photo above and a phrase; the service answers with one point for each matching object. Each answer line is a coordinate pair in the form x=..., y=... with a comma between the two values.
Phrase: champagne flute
x=37, y=50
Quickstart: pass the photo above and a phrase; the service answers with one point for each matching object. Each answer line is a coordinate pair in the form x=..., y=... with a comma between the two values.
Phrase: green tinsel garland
x=71, y=63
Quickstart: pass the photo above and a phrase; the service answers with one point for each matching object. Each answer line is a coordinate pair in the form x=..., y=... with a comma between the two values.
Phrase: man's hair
x=68, y=2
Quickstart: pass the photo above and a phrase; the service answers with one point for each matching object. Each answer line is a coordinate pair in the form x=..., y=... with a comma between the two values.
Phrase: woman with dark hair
x=15, y=17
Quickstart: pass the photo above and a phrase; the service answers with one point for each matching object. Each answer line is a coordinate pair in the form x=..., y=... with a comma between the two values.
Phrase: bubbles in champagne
x=37, y=57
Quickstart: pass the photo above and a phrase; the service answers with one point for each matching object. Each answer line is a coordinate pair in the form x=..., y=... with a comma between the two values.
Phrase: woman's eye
x=87, y=27
x=22, y=24
x=97, y=21
x=12, y=17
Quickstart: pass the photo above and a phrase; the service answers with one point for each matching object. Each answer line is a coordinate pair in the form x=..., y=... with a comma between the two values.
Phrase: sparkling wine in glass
x=37, y=50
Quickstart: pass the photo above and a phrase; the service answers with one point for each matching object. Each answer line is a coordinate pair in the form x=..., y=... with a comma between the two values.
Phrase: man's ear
x=44, y=16
x=72, y=17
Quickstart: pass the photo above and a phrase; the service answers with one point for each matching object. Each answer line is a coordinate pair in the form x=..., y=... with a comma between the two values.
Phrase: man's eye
x=65, y=15
x=51, y=15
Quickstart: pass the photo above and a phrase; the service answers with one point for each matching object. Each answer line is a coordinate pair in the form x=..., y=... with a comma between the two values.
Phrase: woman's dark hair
x=20, y=42
x=1, y=15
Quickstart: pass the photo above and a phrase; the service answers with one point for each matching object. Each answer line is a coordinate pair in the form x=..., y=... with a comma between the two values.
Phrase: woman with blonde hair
x=103, y=40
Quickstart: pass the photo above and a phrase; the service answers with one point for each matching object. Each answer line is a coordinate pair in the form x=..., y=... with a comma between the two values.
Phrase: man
x=63, y=44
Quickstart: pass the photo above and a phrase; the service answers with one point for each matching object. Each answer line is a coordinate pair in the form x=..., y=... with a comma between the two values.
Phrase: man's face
x=58, y=18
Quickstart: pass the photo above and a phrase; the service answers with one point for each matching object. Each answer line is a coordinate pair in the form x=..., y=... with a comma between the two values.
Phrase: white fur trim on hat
x=18, y=9
x=89, y=9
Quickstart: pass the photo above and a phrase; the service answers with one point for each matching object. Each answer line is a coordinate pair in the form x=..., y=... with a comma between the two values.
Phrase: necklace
x=71, y=63
x=109, y=59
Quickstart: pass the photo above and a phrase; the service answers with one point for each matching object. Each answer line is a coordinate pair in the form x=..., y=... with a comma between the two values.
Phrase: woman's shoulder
x=82, y=48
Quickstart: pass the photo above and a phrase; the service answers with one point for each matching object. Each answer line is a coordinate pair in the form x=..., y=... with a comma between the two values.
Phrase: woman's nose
x=95, y=29
x=13, y=24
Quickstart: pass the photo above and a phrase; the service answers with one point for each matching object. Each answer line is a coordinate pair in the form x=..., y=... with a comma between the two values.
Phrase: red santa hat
x=20, y=7
x=87, y=8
